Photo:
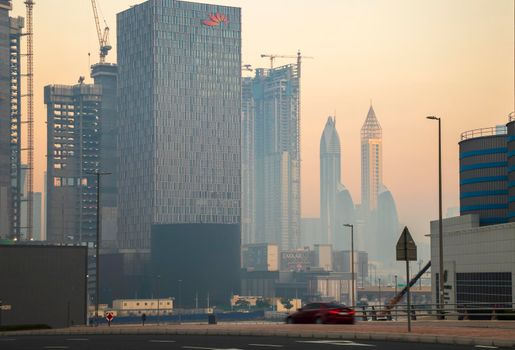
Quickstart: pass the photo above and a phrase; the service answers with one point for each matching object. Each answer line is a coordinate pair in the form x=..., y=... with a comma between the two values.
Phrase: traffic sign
x=406, y=247
x=109, y=316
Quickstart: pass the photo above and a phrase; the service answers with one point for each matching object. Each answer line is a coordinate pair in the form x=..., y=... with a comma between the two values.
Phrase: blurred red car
x=323, y=313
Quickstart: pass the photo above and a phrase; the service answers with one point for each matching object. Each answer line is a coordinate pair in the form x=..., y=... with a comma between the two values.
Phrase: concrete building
x=248, y=176
x=479, y=263
x=296, y=260
x=43, y=284
x=484, y=175
x=323, y=256
x=511, y=168
x=276, y=146
x=10, y=122
x=260, y=257
x=73, y=138
x=137, y=307
x=179, y=88
x=105, y=75
x=310, y=232
x=336, y=205
x=342, y=263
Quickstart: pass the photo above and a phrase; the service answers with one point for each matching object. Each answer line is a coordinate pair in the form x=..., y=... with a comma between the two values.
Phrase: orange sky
x=413, y=58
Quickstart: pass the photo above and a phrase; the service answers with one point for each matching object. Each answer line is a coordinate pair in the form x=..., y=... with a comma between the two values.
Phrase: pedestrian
x=143, y=319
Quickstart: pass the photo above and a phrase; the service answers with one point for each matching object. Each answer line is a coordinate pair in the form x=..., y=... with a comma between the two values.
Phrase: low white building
x=478, y=261
x=135, y=307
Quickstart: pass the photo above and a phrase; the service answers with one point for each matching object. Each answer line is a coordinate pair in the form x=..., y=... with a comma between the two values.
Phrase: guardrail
x=471, y=134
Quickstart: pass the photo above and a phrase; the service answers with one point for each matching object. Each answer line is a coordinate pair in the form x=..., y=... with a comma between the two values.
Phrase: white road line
x=55, y=347
x=486, y=347
x=335, y=342
x=77, y=339
x=161, y=341
x=202, y=348
x=267, y=345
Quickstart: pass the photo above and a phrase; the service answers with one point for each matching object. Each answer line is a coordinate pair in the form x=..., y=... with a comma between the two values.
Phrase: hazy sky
x=412, y=58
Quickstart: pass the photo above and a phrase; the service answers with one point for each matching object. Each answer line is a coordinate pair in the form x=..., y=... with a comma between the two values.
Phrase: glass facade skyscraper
x=179, y=88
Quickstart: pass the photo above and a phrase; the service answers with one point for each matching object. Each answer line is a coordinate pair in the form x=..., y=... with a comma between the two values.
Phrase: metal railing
x=464, y=311
x=491, y=131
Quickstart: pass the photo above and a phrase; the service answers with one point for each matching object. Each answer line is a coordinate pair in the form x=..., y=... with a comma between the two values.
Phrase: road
x=156, y=342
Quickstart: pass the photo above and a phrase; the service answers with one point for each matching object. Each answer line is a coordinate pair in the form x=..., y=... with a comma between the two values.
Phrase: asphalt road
x=151, y=342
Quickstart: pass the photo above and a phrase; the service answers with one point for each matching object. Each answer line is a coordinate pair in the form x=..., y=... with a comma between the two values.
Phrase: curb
x=391, y=337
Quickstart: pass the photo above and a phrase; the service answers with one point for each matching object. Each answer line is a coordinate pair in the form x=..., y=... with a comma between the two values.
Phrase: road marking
x=486, y=347
x=77, y=339
x=267, y=345
x=334, y=342
x=202, y=348
x=55, y=347
x=161, y=341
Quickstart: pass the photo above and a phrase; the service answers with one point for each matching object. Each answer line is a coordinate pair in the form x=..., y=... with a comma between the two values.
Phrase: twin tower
x=375, y=220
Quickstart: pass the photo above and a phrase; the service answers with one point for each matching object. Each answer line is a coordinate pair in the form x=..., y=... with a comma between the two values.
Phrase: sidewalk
x=490, y=333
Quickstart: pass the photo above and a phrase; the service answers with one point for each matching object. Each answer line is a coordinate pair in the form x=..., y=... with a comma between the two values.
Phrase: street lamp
x=97, y=292
x=380, y=299
x=440, y=225
x=395, y=297
x=352, y=259
x=158, y=280
x=180, y=300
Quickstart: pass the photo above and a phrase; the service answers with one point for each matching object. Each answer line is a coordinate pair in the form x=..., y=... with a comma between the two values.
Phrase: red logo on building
x=215, y=20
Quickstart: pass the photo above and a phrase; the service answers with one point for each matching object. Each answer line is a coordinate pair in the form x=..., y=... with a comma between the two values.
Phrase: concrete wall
x=44, y=285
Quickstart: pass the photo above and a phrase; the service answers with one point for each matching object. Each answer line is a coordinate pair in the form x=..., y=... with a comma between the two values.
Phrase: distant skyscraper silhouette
x=336, y=205
x=371, y=161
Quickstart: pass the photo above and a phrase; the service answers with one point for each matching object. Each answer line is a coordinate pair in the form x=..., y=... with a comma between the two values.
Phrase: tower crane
x=247, y=67
x=272, y=57
x=103, y=38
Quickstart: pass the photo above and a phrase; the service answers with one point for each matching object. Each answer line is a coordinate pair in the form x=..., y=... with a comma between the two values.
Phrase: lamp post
x=380, y=299
x=352, y=260
x=180, y=300
x=158, y=280
x=97, y=259
x=395, y=297
x=440, y=228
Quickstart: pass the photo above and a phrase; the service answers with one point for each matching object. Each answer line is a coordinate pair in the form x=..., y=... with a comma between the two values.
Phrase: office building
x=511, y=167
x=310, y=232
x=73, y=138
x=179, y=88
x=484, y=174
x=260, y=257
x=336, y=205
x=323, y=256
x=296, y=260
x=105, y=75
x=275, y=142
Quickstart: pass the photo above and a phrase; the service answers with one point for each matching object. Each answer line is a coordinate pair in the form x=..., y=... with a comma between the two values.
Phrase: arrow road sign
x=406, y=247
x=109, y=316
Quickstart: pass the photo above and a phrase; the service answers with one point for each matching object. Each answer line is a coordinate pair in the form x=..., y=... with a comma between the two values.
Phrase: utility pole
x=158, y=279
x=352, y=255
x=97, y=258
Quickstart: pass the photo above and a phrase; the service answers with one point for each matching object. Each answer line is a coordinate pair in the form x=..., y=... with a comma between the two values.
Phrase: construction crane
x=272, y=57
x=29, y=4
x=103, y=38
x=247, y=67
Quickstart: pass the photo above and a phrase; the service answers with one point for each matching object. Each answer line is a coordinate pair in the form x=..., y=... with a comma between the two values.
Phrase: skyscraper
x=371, y=161
x=336, y=205
x=248, y=177
x=73, y=138
x=275, y=143
x=179, y=88
x=6, y=208
x=378, y=212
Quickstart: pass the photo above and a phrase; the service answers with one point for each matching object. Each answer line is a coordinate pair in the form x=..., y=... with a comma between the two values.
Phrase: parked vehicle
x=323, y=313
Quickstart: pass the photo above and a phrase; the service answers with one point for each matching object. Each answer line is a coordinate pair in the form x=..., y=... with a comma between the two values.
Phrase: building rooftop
x=483, y=132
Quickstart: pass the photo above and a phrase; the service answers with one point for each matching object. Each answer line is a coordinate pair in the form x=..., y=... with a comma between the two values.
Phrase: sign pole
x=408, y=282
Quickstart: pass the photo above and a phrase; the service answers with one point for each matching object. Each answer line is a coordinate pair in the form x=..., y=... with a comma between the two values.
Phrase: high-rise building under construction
x=10, y=122
x=272, y=98
x=73, y=157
